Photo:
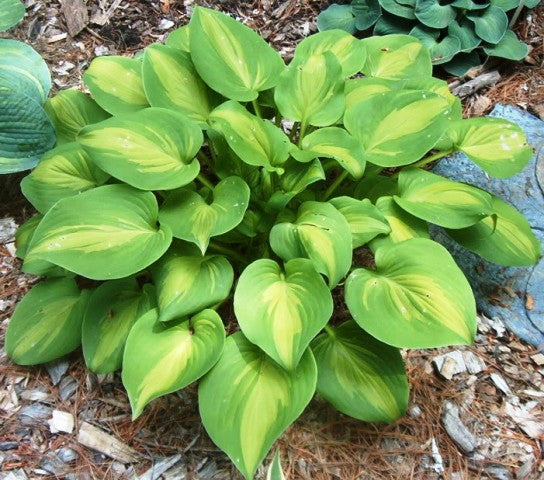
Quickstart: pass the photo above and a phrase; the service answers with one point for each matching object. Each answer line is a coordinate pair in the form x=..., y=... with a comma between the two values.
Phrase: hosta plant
x=207, y=171
x=460, y=34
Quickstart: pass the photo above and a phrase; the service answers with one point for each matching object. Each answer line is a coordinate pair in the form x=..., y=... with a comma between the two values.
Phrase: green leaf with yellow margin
x=274, y=470
x=258, y=401
x=363, y=88
x=179, y=39
x=361, y=376
x=416, y=298
x=46, y=323
x=105, y=233
x=24, y=233
x=231, y=58
x=153, y=149
x=441, y=201
x=161, y=357
x=282, y=311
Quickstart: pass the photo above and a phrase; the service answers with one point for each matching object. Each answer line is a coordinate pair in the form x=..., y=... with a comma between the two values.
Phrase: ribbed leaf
x=11, y=13
x=179, y=39
x=442, y=50
x=337, y=17
x=433, y=14
x=510, y=47
x=388, y=24
x=464, y=31
x=398, y=9
x=366, y=13
x=462, y=63
x=490, y=24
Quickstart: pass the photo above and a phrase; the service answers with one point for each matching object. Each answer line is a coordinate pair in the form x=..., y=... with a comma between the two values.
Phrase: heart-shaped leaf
x=361, y=376
x=282, y=311
x=194, y=220
x=490, y=24
x=259, y=400
x=462, y=63
x=509, y=47
x=408, y=302
x=11, y=13
x=105, y=233
x=152, y=149
x=337, y=17
x=360, y=89
x=398, y=9
x=161, y=358
x=506, y=5
x=366, y=13
x=464, y=31
x=470, y=4
x=388, y=24
x=442, y=50
x=434, y=14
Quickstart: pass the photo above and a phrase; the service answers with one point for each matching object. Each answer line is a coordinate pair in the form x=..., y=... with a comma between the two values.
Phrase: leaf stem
x=425, y=161
x=516, y=13
x=202, y=179
x=329, y=330
x=334, y=185
x=293, y=132
x=303, y=128
x=257, y=108
x=227, y=251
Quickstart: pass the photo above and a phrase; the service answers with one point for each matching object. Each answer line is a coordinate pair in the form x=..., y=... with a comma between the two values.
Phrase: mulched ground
x=500, y=400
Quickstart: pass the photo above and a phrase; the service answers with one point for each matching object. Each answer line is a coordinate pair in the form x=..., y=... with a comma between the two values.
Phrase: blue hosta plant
x=460, y=34
x=207, y=171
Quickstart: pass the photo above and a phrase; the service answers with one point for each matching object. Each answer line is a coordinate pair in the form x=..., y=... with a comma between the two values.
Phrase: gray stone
x=15, y=475
x=4, y=446
x=67, y=387
x=8, y=228
x=456, y=429
x=56, y=370
x=36, y=414
x=500, y=383
x=160, y=466
x=66, y=454
x=498, y=472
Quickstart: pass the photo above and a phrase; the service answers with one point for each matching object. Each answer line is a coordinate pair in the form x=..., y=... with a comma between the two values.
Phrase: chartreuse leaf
x=490, y=24
x=509, y=47
x=62, y=172
x=441, y=201
x=349, y=51
x=24, y=233
x=70, y=111
x=171, y=81
x=231, y=58
x=258, y=398
x=160, y=358
x=416, y=298
x=320, y=233
x=361, y=376
x=111, y=312
x=194, y=220
x=365, y=220
x=396, y=57
x=274, y=471
x=397, y=128
x=256, y=141
x=179, y=39
x=11, y=13
x=116, y=84
x=46, y=323
x=282, y=311
x=504, y=238
x=312, y=91
x=337, y=17
x=188, y=282
x=496, y=145
x=360, y=89
x=152, y=149
x=105, y=233
x=433, y=14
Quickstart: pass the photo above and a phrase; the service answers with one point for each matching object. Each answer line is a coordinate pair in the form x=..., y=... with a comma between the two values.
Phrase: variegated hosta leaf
x=188, y=283
x=70, y=111
x=194, y=220
x=24, y=233
x=161, y=358
x=396, y=57
x=179, y=39
x=416, y=298
x=361, y=376
x=153, y=149
x=397, y=128
x=282, y=311
x=347, y=49
x=496, y=145
x=312, y=91
x=274, y=470
x=116, y=84
x=113, y=309
x=258, y=401
x=365, y=220
x=171, y=81
x=230, y=57
x=256, y=141
x=46, y=323
x=105, y=233
x=320, y=233
x=505, y=237
x=336, y=143
x=62, y=172
x=11, y=13
x=441, y=201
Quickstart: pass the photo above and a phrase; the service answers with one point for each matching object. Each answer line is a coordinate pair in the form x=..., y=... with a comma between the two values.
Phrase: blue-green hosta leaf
x=11, y=13
x=532, y=3
x=348, y=50
x=441, y=201
x=366, y=13
x=504, y=238
x=282, y=311
x=490, y=24
x=398, y=9
x=506, y=5
x=274, y=470
x=397, y=128
x=462, y=63
x=188, y=282
x=111, y=312
x=471, y=4
x=231, y=58
x=337, y=17
x=171, y=81
x=420, y=291
x=361, y=376
x=496, y=145
x=464, y=30
x=433, y=14
x=116, y=84
x=312, y=91
x=161, y=358
x=256, y=141
x=153, y=149
x=194, y=220
x=105, y=233
x=258, y=399
x=442, y=50
x=70, y=111
x=62, y=172
x=365, y=220
x=388, y=24
x=46, y=323
x=510, y=47
x=179, y=39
